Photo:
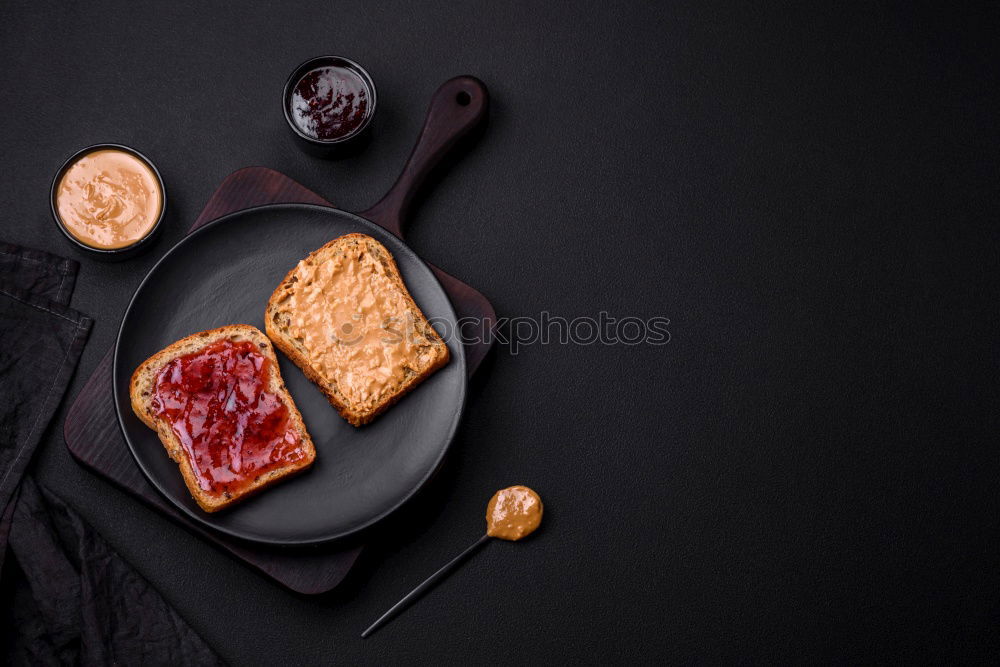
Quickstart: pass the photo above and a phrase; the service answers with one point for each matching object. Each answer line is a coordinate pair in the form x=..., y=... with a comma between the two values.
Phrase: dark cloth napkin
x=65, y=596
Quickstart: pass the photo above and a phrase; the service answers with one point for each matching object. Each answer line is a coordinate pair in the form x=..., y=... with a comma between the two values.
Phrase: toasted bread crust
x=141, y=391
x=355, y=415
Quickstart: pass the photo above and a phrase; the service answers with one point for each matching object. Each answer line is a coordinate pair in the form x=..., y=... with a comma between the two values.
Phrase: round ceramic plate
x=224, y=273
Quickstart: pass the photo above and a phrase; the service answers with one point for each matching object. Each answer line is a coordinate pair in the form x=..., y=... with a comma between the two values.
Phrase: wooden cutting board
x=92, y=432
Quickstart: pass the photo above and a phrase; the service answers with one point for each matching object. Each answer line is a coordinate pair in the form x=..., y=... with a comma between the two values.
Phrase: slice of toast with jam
x=218, y=403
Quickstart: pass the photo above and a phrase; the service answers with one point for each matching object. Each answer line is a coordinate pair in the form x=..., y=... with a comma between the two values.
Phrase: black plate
x=224, y=273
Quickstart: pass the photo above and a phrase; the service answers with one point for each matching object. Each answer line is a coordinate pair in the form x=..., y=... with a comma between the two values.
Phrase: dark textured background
x=807, y=471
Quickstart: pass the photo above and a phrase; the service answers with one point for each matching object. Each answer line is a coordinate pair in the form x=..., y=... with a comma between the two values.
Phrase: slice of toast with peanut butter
x=345, y=317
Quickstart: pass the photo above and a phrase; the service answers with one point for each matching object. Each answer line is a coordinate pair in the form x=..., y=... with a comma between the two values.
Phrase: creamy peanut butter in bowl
x=109, y=200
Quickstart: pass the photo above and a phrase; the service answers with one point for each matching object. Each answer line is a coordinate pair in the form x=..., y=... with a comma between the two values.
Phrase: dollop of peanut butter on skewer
x=513, y=513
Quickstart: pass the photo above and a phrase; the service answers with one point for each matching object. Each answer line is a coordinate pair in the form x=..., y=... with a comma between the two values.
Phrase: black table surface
x=807, y=471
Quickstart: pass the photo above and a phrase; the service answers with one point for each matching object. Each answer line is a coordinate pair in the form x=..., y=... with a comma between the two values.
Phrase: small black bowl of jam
x=329, y=103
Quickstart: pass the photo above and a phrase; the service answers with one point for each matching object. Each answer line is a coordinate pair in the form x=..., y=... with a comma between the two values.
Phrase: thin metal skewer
x=424, y=587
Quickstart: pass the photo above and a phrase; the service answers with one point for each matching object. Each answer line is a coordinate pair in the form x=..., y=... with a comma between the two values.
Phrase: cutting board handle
x=458, y=107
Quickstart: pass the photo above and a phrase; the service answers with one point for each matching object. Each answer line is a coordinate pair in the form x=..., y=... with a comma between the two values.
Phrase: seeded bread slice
x=141, y=391
x=429, y=351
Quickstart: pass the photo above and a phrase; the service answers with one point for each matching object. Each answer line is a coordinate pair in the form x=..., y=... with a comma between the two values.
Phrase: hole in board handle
x=463, y=98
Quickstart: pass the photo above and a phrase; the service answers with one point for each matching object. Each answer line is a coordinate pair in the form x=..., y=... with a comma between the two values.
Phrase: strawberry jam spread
x=231, y=428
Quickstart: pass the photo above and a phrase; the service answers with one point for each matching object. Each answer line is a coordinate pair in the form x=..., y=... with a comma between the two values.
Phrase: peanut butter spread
x=109, y=199
x=513, y=513
x=355, y=323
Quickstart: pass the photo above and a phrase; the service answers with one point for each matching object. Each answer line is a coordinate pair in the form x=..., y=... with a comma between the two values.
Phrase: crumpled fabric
x=66, y=598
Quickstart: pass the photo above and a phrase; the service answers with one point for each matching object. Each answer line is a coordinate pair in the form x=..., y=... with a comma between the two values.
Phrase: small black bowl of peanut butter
x=108, y=200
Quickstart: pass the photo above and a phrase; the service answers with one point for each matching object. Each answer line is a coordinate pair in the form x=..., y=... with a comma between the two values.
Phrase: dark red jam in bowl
x=329, y=103
x=216, y=402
